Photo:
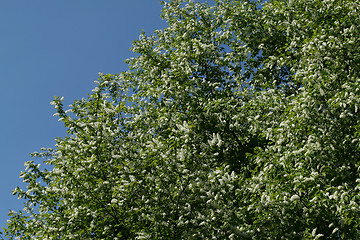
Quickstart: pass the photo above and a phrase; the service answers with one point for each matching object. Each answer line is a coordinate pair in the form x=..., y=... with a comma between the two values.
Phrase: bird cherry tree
x=237, y=121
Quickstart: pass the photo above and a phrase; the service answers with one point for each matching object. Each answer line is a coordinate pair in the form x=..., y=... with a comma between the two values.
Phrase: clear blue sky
x=50, y=48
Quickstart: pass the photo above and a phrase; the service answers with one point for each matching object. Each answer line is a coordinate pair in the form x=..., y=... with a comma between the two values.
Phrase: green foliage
x=238, y=121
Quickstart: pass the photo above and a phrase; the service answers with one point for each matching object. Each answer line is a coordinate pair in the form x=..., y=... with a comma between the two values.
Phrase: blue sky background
x=50, y=48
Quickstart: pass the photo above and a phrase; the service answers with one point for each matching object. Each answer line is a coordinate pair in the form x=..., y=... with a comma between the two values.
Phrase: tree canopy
x=237, y=121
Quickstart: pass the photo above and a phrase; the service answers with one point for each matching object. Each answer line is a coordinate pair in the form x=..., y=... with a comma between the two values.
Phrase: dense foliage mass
x=238, y=121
